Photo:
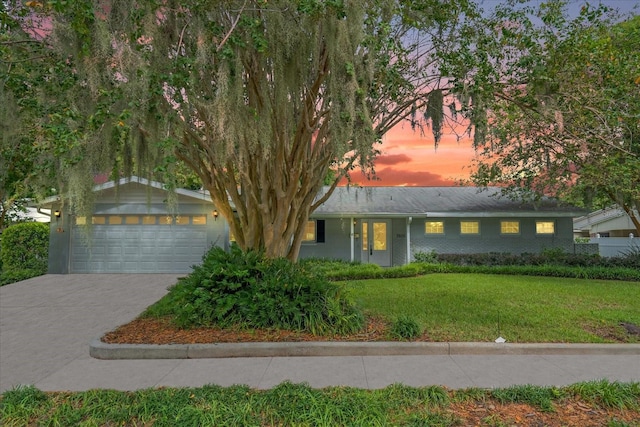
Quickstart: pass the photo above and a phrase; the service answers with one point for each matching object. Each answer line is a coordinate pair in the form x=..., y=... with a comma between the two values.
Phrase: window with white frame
x=434, y=227
x=545, y=227
x=509, y=227
x=469, y=227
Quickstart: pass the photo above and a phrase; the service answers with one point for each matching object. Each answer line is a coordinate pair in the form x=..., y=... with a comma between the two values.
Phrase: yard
x=454, y=307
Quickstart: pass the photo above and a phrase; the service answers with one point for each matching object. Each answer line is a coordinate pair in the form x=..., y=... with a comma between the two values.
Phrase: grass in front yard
x=477, y=307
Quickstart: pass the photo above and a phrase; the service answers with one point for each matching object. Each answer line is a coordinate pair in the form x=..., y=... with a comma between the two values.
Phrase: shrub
x=244, y=288
x=25, y=247
x=12, y=276
x=405, y=327
x=430, y=257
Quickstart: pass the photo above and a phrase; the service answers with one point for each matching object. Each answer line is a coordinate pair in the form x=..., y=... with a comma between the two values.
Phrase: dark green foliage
x=25, y=251
x=605, y=269
x=245, y=288
x=405, y=327
x=13, y=276
x=548, y=257
x=608, y=394
x=540, y=397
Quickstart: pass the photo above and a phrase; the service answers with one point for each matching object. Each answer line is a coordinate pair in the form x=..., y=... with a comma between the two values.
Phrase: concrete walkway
x=47, y=324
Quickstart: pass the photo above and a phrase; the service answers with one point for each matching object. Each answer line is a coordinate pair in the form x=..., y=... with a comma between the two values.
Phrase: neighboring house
x=132, y=229
x=609, y=222
x=611, y=229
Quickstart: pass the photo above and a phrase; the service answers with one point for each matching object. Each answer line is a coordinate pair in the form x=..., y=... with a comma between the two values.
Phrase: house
x=611, y=229
x=133, y=229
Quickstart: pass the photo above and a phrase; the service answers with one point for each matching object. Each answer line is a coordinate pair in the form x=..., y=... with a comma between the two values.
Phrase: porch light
x=57, y=214
x=215, y=214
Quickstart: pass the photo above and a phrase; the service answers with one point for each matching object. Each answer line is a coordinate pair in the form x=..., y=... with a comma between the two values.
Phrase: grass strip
x=297, y=404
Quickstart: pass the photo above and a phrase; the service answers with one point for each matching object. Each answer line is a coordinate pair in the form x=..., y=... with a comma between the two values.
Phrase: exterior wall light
x=57, y=214
x=215, y=214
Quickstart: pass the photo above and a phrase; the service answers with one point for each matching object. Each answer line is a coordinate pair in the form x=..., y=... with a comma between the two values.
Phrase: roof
x=436, y=202
x=199, y=195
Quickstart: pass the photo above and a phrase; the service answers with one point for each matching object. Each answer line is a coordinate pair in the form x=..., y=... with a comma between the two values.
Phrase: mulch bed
x=161, y=331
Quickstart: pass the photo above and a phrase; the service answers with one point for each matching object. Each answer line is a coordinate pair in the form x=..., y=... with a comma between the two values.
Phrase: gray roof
x=436, y=201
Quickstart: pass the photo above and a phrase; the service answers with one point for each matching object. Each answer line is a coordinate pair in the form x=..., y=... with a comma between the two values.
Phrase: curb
x=101, y=350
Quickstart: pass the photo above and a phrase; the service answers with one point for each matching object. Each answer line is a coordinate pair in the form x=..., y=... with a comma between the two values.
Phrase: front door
x=376, y=242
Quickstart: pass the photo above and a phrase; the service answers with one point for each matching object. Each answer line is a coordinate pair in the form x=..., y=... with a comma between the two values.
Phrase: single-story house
x=132, y=228
x=609, y=222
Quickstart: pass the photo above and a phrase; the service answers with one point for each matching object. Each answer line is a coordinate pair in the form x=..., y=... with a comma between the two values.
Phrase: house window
x=434, y=227
x=314, y=231
x=98, y=220
x=545, y=227
x=509, y=227
x=81, y=220
x=469, y=227
x=115, y=219
x=365, y=236
x=309, y=232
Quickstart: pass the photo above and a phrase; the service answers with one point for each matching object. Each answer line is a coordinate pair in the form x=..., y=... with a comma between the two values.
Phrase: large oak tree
x=557, y=103
x=261, y=99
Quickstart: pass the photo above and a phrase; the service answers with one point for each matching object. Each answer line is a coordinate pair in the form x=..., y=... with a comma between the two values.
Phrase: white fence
x=616, y=246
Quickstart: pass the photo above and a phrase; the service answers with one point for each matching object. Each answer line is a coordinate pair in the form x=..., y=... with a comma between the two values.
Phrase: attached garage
x=134, y=230
x=139, y=244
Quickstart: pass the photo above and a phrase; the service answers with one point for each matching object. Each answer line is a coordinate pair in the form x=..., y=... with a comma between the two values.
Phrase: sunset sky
x=409, y=159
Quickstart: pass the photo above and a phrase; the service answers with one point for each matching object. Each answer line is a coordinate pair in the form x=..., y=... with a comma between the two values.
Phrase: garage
x=138, y=244
x=133, y=228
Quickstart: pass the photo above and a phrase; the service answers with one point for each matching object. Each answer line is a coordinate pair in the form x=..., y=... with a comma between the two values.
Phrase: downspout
x=409, y=219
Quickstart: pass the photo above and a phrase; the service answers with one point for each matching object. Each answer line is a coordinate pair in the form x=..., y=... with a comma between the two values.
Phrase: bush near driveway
x=244, y=288
x=25, y=251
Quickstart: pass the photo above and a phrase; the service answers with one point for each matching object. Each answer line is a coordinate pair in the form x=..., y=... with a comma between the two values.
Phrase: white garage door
x=138, y=244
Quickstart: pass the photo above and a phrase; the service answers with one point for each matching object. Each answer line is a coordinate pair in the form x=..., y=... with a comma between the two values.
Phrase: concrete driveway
x=48, y=322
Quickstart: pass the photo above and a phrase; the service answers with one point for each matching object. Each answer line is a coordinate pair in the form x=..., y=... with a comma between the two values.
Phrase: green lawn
x=478, y=307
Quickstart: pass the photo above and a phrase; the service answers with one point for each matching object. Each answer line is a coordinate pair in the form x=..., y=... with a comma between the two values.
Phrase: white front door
x=376, y=242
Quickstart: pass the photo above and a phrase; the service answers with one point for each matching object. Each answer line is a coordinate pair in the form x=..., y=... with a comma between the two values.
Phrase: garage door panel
x=138, y=247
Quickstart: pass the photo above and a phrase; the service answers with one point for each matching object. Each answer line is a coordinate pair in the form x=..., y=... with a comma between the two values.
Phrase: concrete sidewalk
x=47, y=324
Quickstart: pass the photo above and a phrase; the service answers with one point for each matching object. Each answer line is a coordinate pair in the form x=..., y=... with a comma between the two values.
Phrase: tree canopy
x=260, y=99
x=559, y=103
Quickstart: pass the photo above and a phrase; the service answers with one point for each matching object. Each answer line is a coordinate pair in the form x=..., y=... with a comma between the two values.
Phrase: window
x=509, y=227
x=81, y=220
x=434, y=227
x=115, y=219
x=469, y=227
x=365, y=236
x=309, y=232
x=99, y=220
x=182, y=220
x=149, y=220
x=199, y=220
x=379, y=236
x=545, y=227
x=132, y=220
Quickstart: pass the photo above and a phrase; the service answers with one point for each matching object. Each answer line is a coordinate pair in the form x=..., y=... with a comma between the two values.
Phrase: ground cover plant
x=298, y=404
x=233, y=288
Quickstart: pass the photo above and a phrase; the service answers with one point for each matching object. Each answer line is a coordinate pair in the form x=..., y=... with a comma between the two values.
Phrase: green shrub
x=25, y=247
x=244, y=288
x=405, y=327
x=12, y=276
x=430, y=257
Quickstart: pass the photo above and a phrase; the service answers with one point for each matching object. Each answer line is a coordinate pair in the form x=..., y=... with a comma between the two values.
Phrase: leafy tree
x=557, y=104
x=33, y=112
x=261, y=99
